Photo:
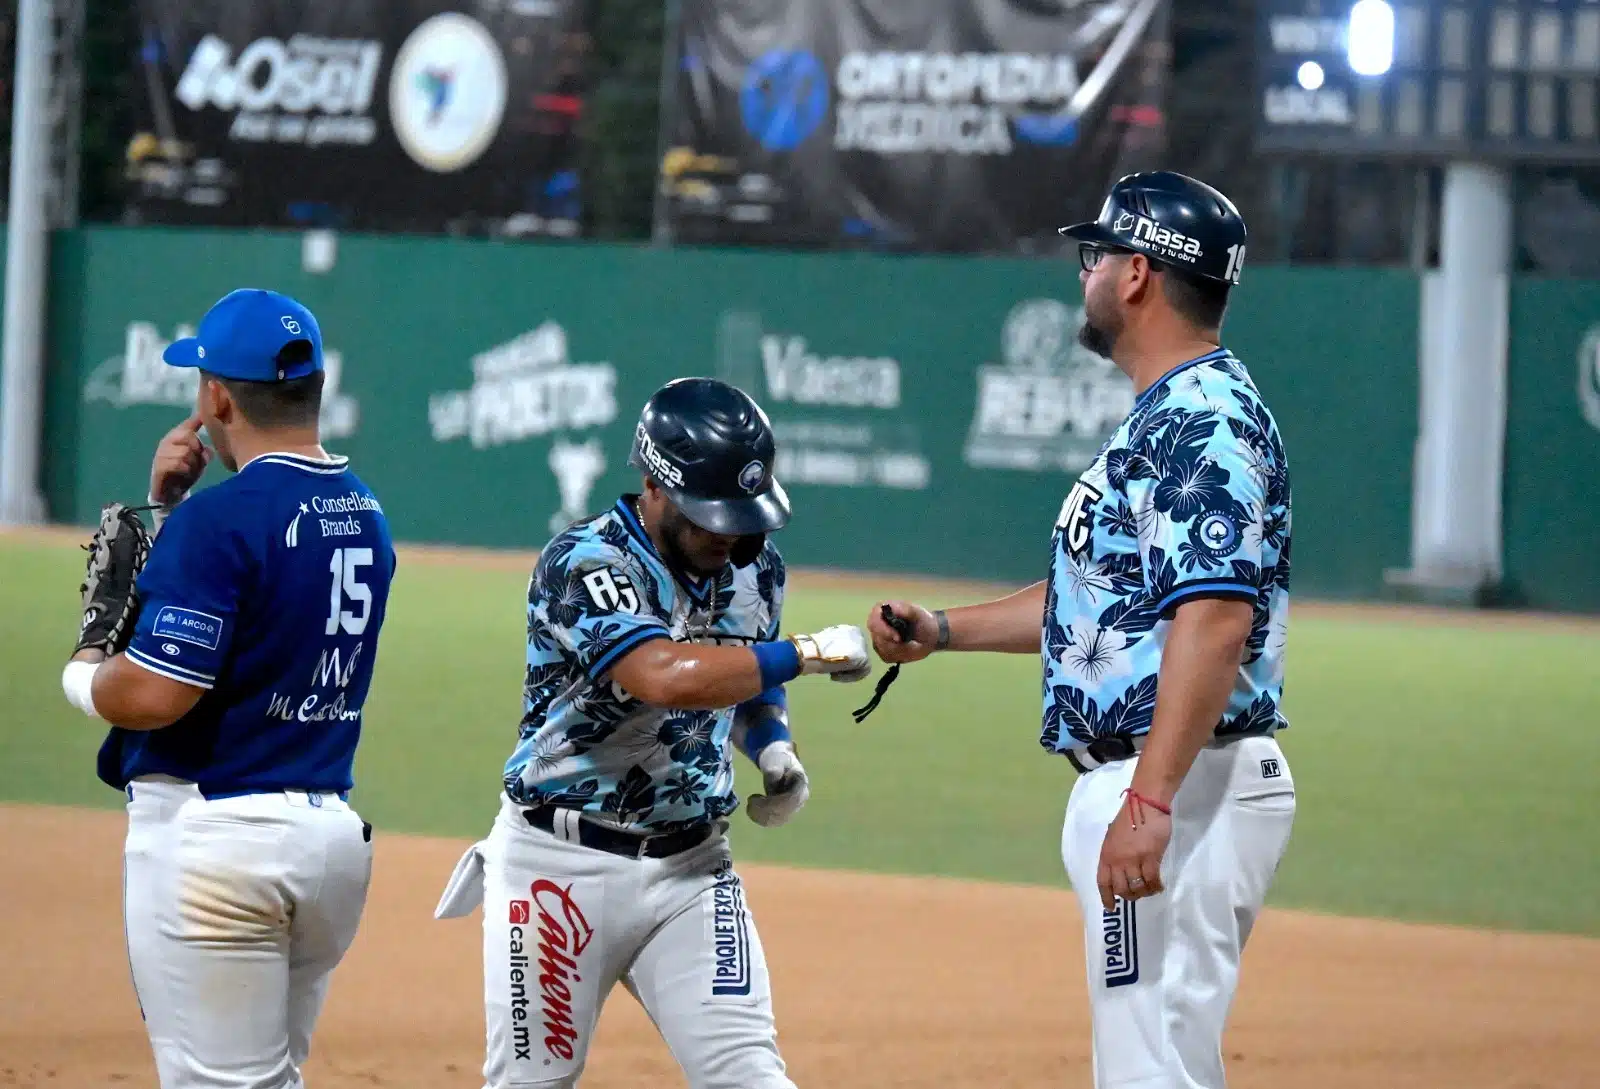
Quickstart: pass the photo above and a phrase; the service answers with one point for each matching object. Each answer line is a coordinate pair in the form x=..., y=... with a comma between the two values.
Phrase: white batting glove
x=840, y=651
x=787, y=785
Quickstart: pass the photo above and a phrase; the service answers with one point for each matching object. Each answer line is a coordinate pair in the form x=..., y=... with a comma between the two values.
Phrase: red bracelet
x=1138, y=800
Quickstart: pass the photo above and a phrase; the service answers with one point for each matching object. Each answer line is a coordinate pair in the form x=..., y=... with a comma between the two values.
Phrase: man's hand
x=1130, y=856
x=888, y=643
x=787, y=785
x=840, y=651
x=180, y=460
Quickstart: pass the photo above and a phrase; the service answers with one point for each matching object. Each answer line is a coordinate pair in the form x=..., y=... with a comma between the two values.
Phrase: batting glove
x=840, y=651
x=787, y=785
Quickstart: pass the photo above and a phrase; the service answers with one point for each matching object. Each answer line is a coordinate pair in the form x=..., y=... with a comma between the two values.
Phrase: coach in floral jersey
x=653, y=651
x=1162, y=629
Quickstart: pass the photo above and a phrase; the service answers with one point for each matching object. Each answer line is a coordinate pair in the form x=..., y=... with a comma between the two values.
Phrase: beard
x=1102, y=321
x=674, y=525
x=1096, y=336
x=1096, y=339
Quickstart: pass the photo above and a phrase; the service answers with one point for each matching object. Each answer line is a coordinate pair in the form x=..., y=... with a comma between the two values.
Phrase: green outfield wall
x=932, y=412
x=1551, y=513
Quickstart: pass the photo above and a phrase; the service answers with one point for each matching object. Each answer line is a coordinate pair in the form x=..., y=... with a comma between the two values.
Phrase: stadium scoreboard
x=1480, y=80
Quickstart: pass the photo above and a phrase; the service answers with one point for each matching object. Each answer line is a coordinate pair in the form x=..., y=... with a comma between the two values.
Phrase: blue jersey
x=1189, y=498
x=268, y=590
x=599, y=591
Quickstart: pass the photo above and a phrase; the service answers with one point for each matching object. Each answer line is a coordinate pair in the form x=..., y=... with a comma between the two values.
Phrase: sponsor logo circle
x=784, y=98
x=447, y=92
x=1038, y=335
x=751, y=476
x=1219, y=533
x=170, y=648
x=1589, y=377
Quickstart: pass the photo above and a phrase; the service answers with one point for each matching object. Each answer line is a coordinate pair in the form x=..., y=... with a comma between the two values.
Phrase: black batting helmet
x=711, y=449
x=1171, y=218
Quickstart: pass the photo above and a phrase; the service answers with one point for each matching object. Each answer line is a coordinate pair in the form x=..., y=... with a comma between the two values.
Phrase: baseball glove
x=117, y=553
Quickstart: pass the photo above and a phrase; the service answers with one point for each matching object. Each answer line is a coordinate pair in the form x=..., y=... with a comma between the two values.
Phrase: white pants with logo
x=563, y=924
x=237, y=911
x=1163, y=970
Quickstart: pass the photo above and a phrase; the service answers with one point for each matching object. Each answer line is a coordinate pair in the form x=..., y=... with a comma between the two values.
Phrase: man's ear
x=1139, y=279
x=220, y=401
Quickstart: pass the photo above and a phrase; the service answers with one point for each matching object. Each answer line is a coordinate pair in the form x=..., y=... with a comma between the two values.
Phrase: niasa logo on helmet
x=658, y=464
x=1171, y=243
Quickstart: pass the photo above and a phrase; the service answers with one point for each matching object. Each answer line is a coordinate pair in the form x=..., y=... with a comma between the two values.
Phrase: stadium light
x=1371, y=39
x=1310, y=75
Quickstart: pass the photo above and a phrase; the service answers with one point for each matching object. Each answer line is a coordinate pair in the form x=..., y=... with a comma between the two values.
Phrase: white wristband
x=77, y=681
x=161, y=511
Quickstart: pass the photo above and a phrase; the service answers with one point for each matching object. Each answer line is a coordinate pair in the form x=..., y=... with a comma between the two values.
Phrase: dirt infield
x=880, y=982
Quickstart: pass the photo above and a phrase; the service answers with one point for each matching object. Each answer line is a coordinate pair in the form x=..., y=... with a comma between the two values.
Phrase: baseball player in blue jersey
x=653, y=651
x=233, y=674
x=1162, y=627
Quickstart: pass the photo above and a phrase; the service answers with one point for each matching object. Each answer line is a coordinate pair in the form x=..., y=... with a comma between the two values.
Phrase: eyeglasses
x=1090, y=255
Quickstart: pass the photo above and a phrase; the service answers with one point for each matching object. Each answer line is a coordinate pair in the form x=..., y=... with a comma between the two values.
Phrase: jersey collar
x=331, y=466
x=699, y=590
x=1209, y=357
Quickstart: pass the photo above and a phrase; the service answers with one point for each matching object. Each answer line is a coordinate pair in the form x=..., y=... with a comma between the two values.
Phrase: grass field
x=1446, y=768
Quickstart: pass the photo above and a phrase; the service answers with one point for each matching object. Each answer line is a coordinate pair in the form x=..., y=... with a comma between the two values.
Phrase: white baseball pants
x=564, y=923
x=1163, y=970
x=237, y=911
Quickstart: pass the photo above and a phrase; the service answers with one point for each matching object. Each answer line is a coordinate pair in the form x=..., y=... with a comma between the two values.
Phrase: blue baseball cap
x=242, y=336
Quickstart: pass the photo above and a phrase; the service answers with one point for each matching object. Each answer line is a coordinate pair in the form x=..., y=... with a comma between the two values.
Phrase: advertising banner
x=400, y=115
x=950, y=125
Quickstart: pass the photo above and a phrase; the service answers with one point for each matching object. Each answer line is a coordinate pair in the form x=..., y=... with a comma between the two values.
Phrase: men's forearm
x=760, y=722
x=1013, y=624
x=1199, y=667
x=691, y=677
x=122, y=694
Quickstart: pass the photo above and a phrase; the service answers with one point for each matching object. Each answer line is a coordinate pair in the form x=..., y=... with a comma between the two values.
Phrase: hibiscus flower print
x=1119, y=521
x=564, y=606
x=1192, y=487
x=549, y=750
x=1085, y=578
x=1147, y=519
x=1095, y=654
x=682, y=788
x=1257, y=465
x=1193, y=384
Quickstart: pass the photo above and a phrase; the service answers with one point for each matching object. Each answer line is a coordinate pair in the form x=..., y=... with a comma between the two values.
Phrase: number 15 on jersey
x=346, y=566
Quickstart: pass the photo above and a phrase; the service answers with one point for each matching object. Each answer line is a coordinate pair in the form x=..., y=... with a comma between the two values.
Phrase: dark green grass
x=1445, y=772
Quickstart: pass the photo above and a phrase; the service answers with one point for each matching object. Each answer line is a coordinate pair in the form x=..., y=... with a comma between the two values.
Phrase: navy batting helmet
x=1171, y=218
x=711, y=449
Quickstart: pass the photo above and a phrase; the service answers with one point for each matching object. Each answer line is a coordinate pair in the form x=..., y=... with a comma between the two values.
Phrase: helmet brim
x=1092, y=232
x=761, y=513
